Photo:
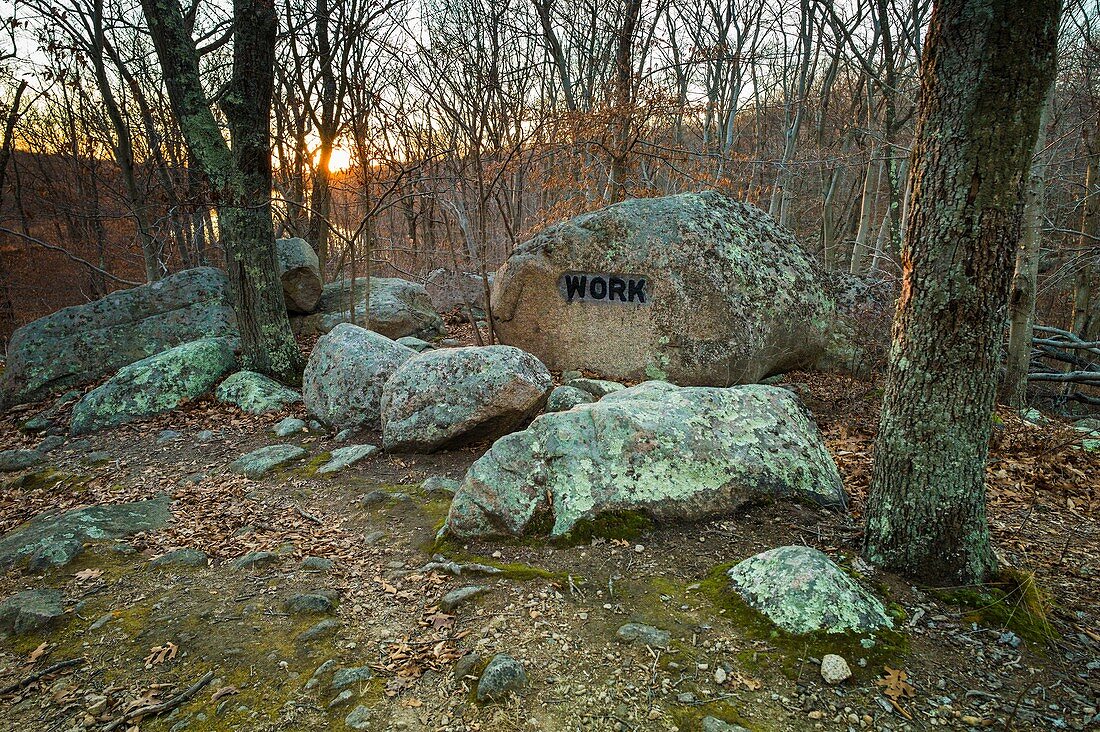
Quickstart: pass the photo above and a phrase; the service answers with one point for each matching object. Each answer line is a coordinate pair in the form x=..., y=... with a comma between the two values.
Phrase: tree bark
x=239, y=174
x=986, y=68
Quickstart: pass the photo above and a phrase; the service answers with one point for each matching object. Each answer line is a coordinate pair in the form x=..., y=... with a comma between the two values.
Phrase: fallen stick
x=155, y=709
x=60, y=665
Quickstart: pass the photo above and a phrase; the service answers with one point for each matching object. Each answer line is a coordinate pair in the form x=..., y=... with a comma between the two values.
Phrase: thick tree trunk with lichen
x=986, y=68
x=240, y=174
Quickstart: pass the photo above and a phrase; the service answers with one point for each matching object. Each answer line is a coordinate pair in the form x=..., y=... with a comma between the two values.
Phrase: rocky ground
x=323, y=601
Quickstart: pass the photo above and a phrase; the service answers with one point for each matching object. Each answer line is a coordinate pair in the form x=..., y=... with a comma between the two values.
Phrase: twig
x=308, y=516
x=39, y=674
x=155, y=709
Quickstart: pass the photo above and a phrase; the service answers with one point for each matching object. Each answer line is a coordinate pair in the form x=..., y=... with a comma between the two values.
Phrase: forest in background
x=415, y=134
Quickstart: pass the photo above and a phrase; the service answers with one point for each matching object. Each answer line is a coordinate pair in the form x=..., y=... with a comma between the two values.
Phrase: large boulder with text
x=345, y=373
x=696, y=288
x=83, y=343
x=454, y=396
x=669, y=453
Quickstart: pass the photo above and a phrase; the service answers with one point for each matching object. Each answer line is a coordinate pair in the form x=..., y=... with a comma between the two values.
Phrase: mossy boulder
x=83, y=343
x=803, y=591
x=54, y=540
x=255, y=393
x=398, y=308
x=453, y=396
x=564, y=398
x=300, y=273
x=666, y=452
x=695, y=288
x=262, y=461
x=13, y=460
x=343, y=379
x=30, y=610
x=155, y=385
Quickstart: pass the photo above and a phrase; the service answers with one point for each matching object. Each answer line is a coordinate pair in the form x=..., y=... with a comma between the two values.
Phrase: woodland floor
x=556, y=609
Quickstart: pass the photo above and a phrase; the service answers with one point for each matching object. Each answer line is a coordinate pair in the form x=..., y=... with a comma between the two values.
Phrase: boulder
x=450, y=290
x=343, y=457
x=255, y=393
x=695, y=288
x=596, y=387
x=343, y=380
x=300, y=273
x=13, y=460
x=398, y=308
x=83, y=343
x=54, y=540
x=564, y=398
x=30, y=610
x=155, y=385
x=671, y=453
x=453, y=396
x=802, y=591
x=262, y=461
x=504, y=675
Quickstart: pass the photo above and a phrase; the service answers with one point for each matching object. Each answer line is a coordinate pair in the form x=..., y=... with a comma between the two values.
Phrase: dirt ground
x=147, y=633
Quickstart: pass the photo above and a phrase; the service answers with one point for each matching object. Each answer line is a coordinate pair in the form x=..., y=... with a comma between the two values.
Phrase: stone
x=311, y=603
x=259, y=462
x=323, y=629
x=564, y=398
x=181, y=558
x=84, y=343
x=646, y=635
x=416, y=344
x=344, y=435
x=30, y=610
x=503, y=675
x=1088, y=425
x=288, y=426
x=317, y=564
x=456, y=597
x=344, y=697
x=450, y=291
x=467, y=665
x=252, y=560
x=834, y=669
x=346, y=371
x=343, y=457
x=359, y=719
x=713, y=724
x=300, y=274
x=204, y=436
x=50, y=443
x=166, y=436
x=155, y=385
x=695, y=288
x=315, y=426
x=345, y=677
x=13, y=460
x=255, y=393
x=96, y=457
x=437, y=485
x=671, y=453
x=802, y=591
x=51, y=414
x=596, y=387
x=455, y=396
x=53, y=540
x=398, y=308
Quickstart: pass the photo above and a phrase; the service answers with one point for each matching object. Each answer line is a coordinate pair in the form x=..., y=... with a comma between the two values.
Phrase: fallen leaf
x=87, y=575
x=160, y=654
x=37, y=653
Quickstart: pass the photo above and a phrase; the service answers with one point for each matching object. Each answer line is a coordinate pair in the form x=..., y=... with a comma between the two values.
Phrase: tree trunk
x=1086, y=241
x=986, y=68
x=239, y=176
x=1021, y=298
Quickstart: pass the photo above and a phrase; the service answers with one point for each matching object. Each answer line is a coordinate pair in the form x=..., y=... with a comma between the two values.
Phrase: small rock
x=713, y=724
x=636, y=633
x=596, y=387
x=564, y=398
x=685, y=697
x=101, y=621
x=439, y=485
x=260, y=462
x=12, y=460
x=254, y=559
x=165, y=436
x=323, y=629
x=467, y=665
x=343, y=457
x=345, y=435
x=317, y=563
x=347, y=676
x=359, y=719
x=96, y=703
x=310, y=603
x=181, y=558
x=454, y=598
x=204, y=436
x=288, y=426
x=95, y=457
x=50, y=444
x=834, y=669
x=315, y=426
x=342, y=698
x=417, y=344
x=30, y=610
x=720, y=676
x=503, y=675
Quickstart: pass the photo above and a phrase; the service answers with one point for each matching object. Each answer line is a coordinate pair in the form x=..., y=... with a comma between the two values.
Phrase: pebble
x=636, y=633
x=834, y=669
x=344, y=697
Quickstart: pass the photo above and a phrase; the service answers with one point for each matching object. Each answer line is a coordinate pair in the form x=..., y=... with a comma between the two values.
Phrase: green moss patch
x=1014, y=601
